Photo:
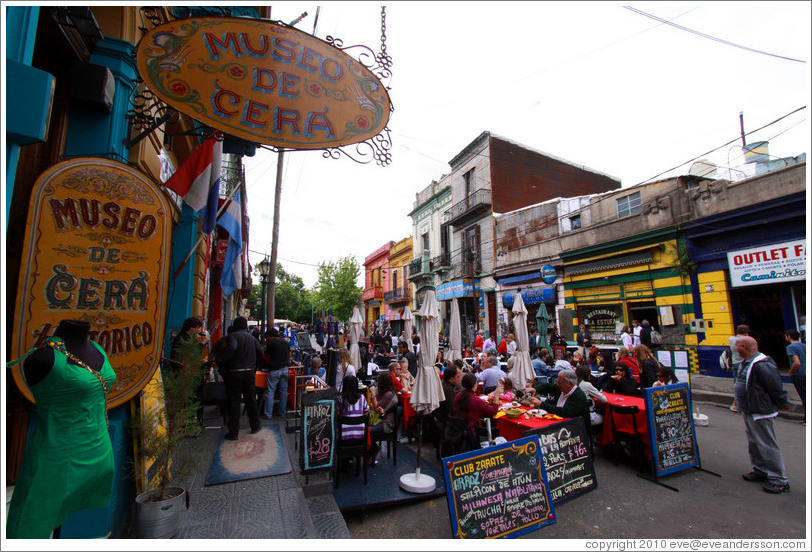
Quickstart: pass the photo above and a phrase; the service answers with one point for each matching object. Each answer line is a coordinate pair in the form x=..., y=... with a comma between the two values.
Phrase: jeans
x=277, y=379
x=800, y=386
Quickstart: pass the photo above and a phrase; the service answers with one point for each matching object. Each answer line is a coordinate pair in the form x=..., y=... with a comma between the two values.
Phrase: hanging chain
x=383, y=59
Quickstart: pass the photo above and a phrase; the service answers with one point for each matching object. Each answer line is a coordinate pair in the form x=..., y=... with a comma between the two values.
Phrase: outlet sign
x=264, y=82
x=768, y=264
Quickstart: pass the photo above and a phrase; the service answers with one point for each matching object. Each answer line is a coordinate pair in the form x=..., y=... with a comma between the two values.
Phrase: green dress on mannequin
x=68, y=461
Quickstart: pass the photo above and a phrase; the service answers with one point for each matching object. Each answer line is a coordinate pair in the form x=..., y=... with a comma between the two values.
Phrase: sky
x=593, y=83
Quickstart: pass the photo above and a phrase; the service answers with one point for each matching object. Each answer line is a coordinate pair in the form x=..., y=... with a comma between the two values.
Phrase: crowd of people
x=574, y=384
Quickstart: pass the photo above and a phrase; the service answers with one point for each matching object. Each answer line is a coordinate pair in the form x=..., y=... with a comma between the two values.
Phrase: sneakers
x=733, y=408
x=754, y=476
x=776, y=488
x=403, y=439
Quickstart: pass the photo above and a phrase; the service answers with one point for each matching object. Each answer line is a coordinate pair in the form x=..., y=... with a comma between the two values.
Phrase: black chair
x=457, y=438
x=622, y=440
x=352, y=448
x=390, y=437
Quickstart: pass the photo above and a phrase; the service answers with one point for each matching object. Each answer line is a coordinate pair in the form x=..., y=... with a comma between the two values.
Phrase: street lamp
x=264, y=267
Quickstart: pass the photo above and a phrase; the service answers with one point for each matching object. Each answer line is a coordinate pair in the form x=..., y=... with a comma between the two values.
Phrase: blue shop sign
x=457, y=288
x=548, y=274
x=531, y=296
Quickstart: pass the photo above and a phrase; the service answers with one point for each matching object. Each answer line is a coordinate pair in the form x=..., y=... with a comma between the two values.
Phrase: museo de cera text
x=102, y=289
x=263, y=82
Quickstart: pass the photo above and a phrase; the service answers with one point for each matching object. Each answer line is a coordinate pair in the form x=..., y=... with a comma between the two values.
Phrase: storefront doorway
x=644, y=310
x=760, y=307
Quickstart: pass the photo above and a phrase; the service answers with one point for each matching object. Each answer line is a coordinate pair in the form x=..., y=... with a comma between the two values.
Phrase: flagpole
x=200, y=239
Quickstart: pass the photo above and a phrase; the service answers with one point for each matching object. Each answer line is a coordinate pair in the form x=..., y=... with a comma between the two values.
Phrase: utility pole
x=274, y=240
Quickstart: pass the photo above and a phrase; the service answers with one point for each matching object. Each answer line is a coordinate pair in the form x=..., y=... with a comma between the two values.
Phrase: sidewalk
x=277, y=507
x=719, y=392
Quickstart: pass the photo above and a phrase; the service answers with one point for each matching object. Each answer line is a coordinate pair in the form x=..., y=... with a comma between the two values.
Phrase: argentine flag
x=231, y=276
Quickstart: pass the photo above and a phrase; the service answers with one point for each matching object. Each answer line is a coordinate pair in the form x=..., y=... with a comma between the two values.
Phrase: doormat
x=382, y=488
x=249, y=457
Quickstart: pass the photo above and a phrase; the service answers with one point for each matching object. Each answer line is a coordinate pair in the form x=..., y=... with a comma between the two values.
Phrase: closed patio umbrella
x=522, y=367
x=427, y=391
x=455, y=333
x=542, y=322
x=407, y=327
x=356, y=323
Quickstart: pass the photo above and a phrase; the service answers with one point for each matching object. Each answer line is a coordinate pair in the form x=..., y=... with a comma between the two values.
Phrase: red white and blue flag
x=230, y=219
x=198, y=181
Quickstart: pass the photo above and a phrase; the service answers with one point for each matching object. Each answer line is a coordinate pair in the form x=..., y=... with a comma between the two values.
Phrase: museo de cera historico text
x=97, y=248
x=263, y=82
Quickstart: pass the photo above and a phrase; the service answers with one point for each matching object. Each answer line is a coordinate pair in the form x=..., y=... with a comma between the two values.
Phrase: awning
x=535, y=275
x=638, y=257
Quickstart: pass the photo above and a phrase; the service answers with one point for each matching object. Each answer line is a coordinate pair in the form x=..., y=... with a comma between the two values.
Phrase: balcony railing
x=441, y=262
x=372, y=293
x=474, y=204
x=398, y=295
x=418, y=267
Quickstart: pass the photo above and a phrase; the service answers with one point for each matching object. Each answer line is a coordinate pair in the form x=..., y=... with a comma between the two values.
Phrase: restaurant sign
x=768, y=264
x=96, y=249
x=264, y=82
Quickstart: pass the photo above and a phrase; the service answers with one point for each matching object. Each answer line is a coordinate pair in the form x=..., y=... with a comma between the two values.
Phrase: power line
x=675, y=25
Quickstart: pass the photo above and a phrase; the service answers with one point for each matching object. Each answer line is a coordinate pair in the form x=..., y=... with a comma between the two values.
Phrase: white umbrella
x=356, y=323
x=427, y=391
x=407, y=319
x=455, y=333
x=522, y=366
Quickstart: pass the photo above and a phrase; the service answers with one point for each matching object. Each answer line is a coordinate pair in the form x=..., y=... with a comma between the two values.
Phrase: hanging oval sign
x=264, y=82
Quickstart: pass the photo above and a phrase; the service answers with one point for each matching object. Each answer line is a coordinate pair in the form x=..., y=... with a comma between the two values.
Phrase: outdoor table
x=623, y=422
x=512, y=429
x=261, y=382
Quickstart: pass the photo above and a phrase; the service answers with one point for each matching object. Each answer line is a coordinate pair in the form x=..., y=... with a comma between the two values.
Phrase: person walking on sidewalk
x=796, y=351
x=277, y=351
x=239, y=358
x=759, y=396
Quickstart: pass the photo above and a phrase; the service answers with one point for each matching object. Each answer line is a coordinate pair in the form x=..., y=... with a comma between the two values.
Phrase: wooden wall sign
x=264, y=82
x=97, y=247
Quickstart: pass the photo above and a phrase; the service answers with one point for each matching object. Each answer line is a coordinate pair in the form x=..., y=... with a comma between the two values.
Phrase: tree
x=336, y=291
x=292, y=299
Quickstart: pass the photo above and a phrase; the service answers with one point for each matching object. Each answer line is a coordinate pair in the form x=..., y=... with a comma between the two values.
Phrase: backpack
x=656, y=338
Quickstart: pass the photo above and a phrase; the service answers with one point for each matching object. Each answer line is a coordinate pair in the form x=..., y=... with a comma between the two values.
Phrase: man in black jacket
x=238, y=360
x=277, y=350
x=760, y=394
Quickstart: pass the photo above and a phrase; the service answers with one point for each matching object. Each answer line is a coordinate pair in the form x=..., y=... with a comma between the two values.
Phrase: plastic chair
x=623, y=439
x=352, y=448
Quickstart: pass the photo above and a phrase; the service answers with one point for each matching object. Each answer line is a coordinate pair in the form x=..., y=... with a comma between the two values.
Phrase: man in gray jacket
x=759, y=396
x=238, y=359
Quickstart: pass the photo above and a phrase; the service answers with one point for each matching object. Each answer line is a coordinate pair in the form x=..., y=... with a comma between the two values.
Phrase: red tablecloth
x=623, y=422
x=514, y=428
x=409, y=413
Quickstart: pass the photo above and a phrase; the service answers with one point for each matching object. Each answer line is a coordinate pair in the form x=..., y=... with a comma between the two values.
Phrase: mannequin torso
x=74, y=334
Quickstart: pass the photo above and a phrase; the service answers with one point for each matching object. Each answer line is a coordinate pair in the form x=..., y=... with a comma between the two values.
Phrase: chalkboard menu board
x=317, y=445
x=672, y=436
x=499, y=491
x=567, y=452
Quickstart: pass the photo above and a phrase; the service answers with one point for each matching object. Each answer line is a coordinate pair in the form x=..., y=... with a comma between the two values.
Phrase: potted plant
x=164, y=437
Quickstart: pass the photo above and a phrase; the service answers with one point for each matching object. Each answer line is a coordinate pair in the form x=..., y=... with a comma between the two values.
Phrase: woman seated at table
x=625, y=358
x=351, y=402
x=592, y=358
x=621, y=382
x=385, y=404
x=595, y=397
x=468, y=352
x=648, y=366
x=665, y=377
x=566, y=399
x=467, y=405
